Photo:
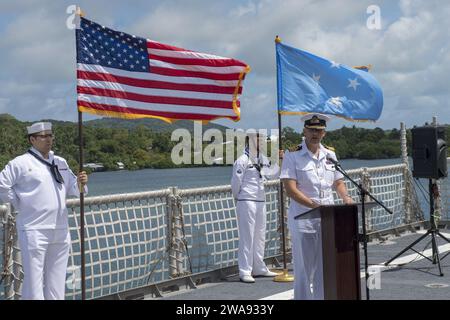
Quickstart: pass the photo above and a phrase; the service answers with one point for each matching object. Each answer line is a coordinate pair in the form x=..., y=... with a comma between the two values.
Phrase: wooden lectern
x=340, y=250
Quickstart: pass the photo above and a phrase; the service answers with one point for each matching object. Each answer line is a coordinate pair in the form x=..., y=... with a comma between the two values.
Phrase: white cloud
x=248, y=9
x=37, y=46
x=410, y=54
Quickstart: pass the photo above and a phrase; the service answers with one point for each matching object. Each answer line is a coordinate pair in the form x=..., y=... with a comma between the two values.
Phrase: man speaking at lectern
x=309, y=175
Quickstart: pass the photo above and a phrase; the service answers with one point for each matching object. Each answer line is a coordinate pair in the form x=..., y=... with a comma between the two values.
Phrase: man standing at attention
x=309, y=177
x=247, y=183
x=36, y=184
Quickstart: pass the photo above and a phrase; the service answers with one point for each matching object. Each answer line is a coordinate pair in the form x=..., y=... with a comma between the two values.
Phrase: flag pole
x=285, y=276
x=81, y=189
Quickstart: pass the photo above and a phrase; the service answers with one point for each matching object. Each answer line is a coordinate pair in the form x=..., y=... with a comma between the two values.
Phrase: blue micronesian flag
x=308, y=83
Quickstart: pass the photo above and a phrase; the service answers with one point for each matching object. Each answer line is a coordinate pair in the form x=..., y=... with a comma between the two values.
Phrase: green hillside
x=147, y=143
x=154, y=124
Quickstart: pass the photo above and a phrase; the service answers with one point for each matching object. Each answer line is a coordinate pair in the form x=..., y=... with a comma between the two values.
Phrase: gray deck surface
x=415, y=280
x=411, y=280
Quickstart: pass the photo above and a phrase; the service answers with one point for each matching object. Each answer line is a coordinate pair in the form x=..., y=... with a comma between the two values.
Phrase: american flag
x=122, y=75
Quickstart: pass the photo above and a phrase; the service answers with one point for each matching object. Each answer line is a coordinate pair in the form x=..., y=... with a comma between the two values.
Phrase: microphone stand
x=363, y=193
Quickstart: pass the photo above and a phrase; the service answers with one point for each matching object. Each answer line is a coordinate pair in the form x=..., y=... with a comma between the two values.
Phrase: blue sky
x=410, y=54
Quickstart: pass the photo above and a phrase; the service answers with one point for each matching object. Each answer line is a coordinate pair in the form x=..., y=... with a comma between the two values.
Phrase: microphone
x=335, y=162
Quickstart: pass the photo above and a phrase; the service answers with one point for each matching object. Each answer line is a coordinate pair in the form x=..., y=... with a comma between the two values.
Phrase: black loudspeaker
x=429, y=152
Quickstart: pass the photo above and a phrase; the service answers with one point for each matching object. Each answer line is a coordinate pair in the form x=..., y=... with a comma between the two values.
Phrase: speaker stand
x=433, y=231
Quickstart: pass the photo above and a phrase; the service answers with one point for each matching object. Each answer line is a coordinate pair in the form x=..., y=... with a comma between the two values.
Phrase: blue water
x=124, y=181
x=101, y=183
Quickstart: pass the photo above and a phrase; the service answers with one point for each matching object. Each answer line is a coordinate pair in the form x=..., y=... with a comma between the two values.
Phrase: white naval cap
x=38, y=127
x=315, y=120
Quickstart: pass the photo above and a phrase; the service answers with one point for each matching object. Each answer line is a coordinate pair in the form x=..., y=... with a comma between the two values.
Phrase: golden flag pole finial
x=368, y=67
x=277, y=39
x=79, y=12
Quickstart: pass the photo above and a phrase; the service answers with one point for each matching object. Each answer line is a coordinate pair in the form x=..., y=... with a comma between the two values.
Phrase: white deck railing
x=140, y=238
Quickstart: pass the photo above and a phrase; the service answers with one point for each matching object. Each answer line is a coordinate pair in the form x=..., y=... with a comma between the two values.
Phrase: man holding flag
x=37, y=184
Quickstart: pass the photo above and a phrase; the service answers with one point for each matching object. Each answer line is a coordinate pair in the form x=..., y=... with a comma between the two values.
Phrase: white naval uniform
x=248, y=190
x=42, y=221
x=315, y=178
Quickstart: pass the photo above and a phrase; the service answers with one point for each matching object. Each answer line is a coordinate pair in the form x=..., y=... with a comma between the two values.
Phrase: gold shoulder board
x=296, y=148
x=329, y=148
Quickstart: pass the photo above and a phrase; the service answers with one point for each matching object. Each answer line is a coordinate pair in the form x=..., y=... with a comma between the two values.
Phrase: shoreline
x=225, y=165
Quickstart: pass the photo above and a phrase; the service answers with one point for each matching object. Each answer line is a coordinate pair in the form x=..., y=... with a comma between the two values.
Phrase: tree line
x=139, y=147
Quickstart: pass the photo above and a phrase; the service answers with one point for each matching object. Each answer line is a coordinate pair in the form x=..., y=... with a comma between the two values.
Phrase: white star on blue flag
x=109, y=48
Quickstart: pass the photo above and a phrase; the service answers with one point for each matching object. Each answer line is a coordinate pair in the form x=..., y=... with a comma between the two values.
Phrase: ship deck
x=409, y=277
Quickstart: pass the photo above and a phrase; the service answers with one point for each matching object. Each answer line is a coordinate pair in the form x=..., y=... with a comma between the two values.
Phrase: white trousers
x=252, y=237
x=45, y=254
x=307, y=258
